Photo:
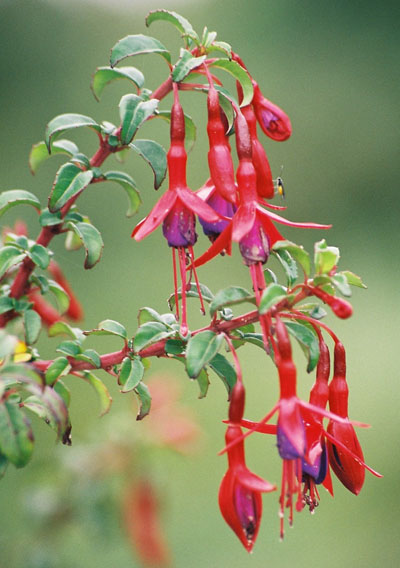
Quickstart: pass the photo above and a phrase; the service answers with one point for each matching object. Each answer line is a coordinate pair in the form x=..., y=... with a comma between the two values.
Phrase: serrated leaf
x=181, y=23
x=340, y=282
x=185, y=64
x=40, y=256
x=137, y=45
x=229, y=297
x=353, y=279
x=129, y=185
x=69, y=348
x=289, y=265
x=32, y=325
x=150, y=333
x=272, y=294
x=155, y=156
x=58, y=368
x=307, y=339
x=16, y=436
x=225, y=370
x=201, y=349
x=134, y=111
x=190, y=127
x=70, y=181
x=131, y=374
x=105, y=75
x=14, y=197
x=63, y=328
x=239, y=74
x=297, y=252
x=91, y=240
x=67, y=121
x=60, y=294
x=203, y=382
x=40, y=153
x=144, y=395
x=192, y=293
x=109, y=327
x=325, y=257
x=101, y=391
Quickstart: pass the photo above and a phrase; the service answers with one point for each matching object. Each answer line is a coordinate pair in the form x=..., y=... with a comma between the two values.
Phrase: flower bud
x=273, y=121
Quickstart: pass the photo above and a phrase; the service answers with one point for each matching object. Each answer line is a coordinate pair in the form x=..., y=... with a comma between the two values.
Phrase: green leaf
x=6, y=304
x=40, y=256
x=255, y=339
x=150, y=333
x=353, y=279
x=148, y=314
x=92, y=241
x=109, y=327
x=60, y=295
x=325, y=258
x=68, y=121
x=203, y=382
x=134, y=112
x=272, y=294
x=63, y=392
x=230, y=297
x=174, y=347
x=297, y=252
x=58, y=368
x=69, y=348
x=137, y=45
x=129, y=185
x=201, y=349
x=225, y=101
x=16, y=436
x=340, y=282
x=3, y=465
x=289, y=265
x=14, y=197
x=40, y=152
x=181, y=23
x=185, y=64
x=48, y=219
x=105, y=75
x=307, y=339
x=101, y=391
x=221, y=46
x=62, y=327
x=9, y=256
x=131, y=374
x=155, y=156
x=313, y=310
x=50, y=406
x=90, y=356
x=190, y=127
x=239, y=74
x=70, y=181
x=144, y=396
x=225, y=370
x=192, y=293
x=32, y=325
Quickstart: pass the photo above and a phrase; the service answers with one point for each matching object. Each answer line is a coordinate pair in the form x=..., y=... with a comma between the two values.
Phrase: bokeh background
x=333, y=66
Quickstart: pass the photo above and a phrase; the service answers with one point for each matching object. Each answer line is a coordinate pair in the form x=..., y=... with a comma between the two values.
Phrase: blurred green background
x=333, y=67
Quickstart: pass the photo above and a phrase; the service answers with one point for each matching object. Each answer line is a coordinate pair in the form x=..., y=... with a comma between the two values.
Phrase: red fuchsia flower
x=225, y=210
x=75, y=310
x=240, y=491
x=345, y=453
x=177, y=208
x=219, y=155
x=251, y=225
x=340, y=307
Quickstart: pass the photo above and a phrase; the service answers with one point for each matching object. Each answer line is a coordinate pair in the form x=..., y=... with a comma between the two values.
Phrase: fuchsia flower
x=224, y=208
x=240, y=491
x=251, y=225
x=274, y=122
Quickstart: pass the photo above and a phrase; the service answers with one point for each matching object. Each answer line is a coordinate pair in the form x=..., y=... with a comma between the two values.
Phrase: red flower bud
x=274, y=122
x=346, y=467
